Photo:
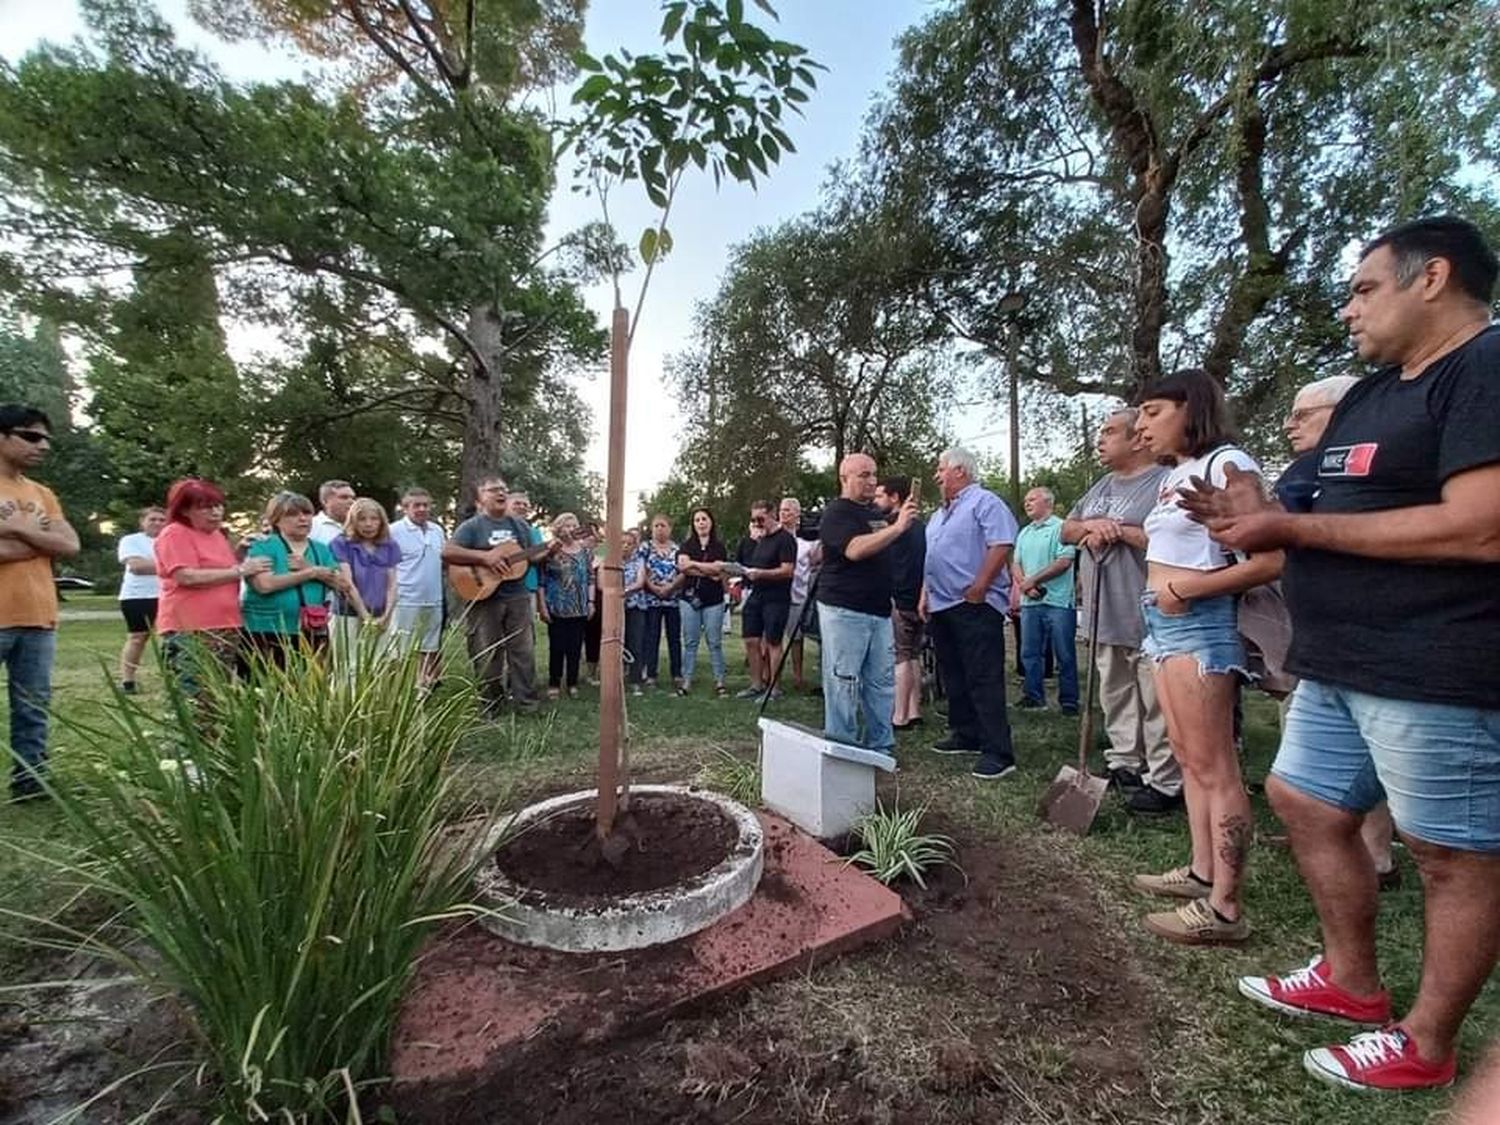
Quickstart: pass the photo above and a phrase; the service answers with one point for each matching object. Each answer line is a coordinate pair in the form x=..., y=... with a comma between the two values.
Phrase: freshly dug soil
x=665, y=839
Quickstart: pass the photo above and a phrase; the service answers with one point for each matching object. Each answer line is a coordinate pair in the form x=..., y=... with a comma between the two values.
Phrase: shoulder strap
x=301, y=597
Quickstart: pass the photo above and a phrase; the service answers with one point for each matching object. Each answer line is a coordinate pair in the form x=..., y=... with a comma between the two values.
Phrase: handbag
x=1264, y=625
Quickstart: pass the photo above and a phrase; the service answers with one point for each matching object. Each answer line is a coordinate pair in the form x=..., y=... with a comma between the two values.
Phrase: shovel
x=1073, y=799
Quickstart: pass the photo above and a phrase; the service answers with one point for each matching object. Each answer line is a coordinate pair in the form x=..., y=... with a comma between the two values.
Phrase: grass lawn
x=867, y=1038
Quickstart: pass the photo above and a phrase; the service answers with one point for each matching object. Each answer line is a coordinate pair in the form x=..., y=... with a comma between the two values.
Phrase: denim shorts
x=1438, y=764
x=1209, y=630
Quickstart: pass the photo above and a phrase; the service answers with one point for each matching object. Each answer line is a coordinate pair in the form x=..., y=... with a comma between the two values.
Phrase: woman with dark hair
x=302, y=573
x=701, y=602
x=1193, y=639
x=198, y=610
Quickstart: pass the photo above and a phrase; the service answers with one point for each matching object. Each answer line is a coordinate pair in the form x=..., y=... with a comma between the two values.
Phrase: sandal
x=720, y=690
x=552, y=693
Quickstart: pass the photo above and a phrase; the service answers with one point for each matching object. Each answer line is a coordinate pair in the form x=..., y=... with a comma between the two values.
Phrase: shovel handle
x=1086, y=722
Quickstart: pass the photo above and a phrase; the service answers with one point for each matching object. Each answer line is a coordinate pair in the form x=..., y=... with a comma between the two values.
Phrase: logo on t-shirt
x=1348, y=460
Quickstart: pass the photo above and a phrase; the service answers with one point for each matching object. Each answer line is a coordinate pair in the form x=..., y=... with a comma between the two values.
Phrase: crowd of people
x=1359, y=587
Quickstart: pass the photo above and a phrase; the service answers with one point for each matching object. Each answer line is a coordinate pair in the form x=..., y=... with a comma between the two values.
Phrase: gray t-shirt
x=1129, y=500
x=479, y=533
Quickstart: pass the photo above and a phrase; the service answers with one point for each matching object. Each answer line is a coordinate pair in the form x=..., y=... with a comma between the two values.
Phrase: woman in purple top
x=367, y=557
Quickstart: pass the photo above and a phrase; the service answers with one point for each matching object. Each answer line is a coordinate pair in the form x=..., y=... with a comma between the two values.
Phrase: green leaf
x=734, y=11
x=594, y=88
x=672, y=24
x=772, y=150
x=585, y=61
x=648, y=245
x=764, y=6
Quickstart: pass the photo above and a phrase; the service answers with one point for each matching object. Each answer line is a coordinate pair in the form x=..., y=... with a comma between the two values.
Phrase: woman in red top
x=199, y=607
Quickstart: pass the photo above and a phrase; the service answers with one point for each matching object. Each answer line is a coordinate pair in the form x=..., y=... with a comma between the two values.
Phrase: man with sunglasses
x=32, y=533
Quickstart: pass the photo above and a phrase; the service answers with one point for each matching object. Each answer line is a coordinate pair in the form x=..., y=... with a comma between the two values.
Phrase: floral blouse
x=661, y=567
x=565, y=583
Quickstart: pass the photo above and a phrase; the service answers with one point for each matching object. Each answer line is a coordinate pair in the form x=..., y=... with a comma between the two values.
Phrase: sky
x=852, y=38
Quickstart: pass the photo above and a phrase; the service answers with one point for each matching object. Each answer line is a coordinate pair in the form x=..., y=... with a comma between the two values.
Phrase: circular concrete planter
x=631, y=921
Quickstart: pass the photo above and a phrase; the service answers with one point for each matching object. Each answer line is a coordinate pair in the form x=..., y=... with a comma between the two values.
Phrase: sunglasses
x=32, y=437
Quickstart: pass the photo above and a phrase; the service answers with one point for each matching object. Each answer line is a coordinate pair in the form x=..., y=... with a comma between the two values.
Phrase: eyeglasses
x=32, y=437
x=1304, y=413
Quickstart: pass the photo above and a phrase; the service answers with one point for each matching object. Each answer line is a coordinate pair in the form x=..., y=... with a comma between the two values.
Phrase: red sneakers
x=1380, y=1061
x=1309, y=992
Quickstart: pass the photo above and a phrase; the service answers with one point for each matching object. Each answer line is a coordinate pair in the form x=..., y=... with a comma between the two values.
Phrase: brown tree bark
x=482, y=393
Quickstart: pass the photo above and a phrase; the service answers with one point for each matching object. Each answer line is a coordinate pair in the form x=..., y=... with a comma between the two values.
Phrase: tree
x=715, y=102
x=811, y=349
x=423, y=211
x=1173, y=184
x=167, y=400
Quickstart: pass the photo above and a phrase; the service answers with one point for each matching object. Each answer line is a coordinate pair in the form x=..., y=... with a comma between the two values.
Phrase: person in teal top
x=303, y=572
x=1043, y=571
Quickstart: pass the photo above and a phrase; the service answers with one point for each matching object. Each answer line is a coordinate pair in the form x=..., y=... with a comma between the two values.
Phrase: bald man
x=854, y=609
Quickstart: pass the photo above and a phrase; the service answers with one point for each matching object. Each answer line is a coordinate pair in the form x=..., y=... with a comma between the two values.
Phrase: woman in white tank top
x=1192, y=636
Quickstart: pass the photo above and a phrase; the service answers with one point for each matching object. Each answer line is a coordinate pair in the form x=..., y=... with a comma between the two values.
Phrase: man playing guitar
x=489, y=555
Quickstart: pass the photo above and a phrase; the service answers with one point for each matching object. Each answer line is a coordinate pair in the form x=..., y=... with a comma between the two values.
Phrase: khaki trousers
x=1133, y=718
x=502, y=641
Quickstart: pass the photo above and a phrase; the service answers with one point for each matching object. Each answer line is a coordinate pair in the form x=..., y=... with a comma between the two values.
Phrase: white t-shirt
x=325, y=529
x=419, y=574
x=1171, y=537
x=138, y=545
x=802, y=569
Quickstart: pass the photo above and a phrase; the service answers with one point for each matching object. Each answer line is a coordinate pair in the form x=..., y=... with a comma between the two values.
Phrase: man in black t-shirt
x=769, y=566
x=1393, y=583
x=908, y=554
x=854, y=609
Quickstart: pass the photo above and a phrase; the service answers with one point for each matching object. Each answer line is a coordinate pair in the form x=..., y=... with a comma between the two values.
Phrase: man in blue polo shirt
x=965, y=593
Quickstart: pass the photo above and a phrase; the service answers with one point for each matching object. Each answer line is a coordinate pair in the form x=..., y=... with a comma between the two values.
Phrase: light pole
x=1011, y=304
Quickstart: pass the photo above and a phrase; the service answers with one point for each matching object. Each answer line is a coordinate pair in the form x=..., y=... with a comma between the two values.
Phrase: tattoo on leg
x=1236, y=844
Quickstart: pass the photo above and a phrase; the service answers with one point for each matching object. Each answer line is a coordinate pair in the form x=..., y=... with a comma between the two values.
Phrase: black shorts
x=765, y=619
x=139, y=614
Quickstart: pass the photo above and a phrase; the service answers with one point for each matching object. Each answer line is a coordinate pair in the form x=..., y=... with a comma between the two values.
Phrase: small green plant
x=279, y=847
x=892, y=847
x=735, y=777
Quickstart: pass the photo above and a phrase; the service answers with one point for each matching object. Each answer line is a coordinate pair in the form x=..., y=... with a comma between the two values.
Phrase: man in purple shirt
x=965, y=593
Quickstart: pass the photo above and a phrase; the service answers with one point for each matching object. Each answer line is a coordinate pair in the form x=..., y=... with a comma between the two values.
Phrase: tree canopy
x=1176, y=184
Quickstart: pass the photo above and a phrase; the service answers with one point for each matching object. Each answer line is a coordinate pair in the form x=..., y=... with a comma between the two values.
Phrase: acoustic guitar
x=474, y=582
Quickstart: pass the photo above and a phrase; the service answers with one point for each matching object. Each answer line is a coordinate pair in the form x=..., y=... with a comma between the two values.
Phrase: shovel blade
x=1073, y=799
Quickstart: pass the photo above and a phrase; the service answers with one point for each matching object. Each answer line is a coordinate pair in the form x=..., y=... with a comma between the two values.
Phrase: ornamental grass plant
x=892, y=846
x=277, y=848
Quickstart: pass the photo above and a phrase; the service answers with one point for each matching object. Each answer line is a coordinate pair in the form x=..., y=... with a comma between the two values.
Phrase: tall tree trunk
x=1151, y=213
x=482, y=442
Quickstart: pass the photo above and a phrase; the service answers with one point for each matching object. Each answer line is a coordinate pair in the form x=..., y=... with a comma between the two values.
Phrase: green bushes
x=283, y=868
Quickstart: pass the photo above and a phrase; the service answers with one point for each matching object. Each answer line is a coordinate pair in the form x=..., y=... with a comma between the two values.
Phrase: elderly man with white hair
x=965, y=594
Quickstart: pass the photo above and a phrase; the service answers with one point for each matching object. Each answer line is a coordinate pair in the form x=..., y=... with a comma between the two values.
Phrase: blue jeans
x=859, y=676
x=1043, y=626
x=27, y=655
x=709, y=619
